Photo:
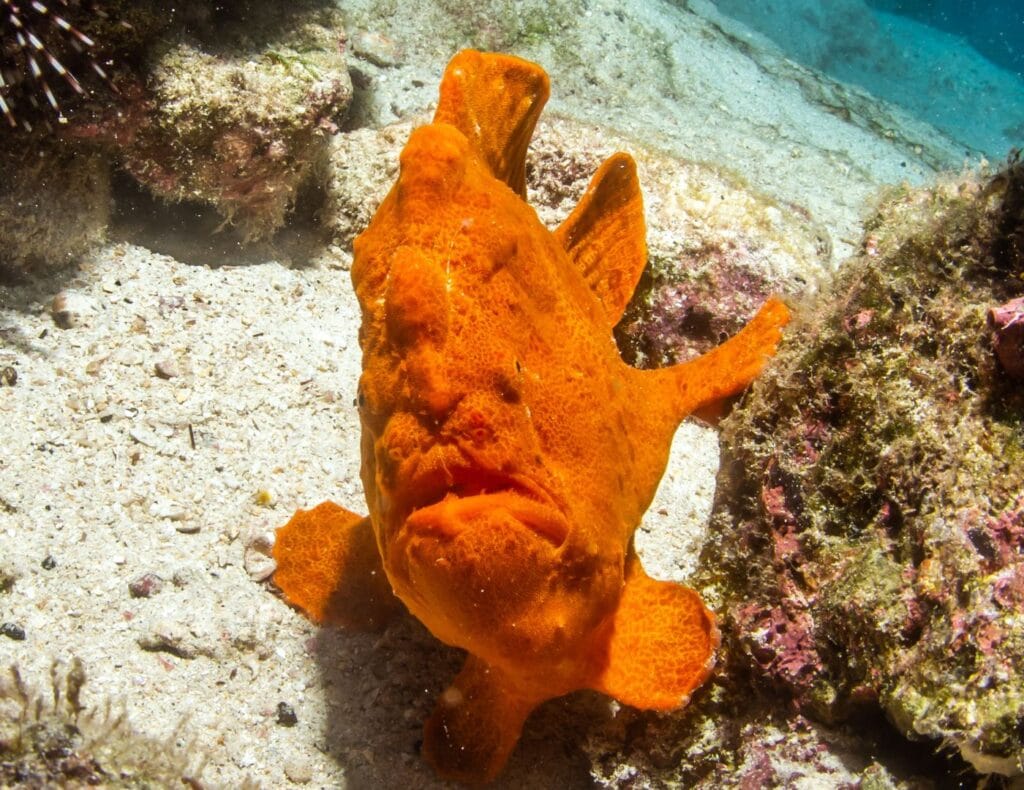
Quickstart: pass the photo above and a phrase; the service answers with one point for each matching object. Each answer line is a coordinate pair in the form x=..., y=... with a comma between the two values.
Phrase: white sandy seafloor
x=194, y=404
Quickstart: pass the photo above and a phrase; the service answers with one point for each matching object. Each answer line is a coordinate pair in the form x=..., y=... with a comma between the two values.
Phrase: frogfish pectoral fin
x=661, y=645
x=475, y=724
x=328, y=566
x=701, y=383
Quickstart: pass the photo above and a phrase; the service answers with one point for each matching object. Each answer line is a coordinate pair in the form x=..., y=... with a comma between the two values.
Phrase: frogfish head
x=478, y=537
x=487, y=572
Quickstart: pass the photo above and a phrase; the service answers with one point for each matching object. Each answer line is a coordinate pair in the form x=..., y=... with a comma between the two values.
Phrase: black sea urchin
x=40, y=51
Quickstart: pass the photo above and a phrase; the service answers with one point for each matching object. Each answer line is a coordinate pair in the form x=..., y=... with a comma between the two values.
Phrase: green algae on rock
x=868, y=547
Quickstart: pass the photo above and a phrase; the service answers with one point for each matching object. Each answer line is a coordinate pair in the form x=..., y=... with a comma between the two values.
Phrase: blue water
x=995, y=29
x=956, y=64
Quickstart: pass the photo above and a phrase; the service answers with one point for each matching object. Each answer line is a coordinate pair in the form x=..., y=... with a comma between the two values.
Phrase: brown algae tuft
x=51, y=738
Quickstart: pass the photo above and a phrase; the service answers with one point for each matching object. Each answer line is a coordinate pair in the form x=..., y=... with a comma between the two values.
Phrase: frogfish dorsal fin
x=605, y=236
x=495, y=101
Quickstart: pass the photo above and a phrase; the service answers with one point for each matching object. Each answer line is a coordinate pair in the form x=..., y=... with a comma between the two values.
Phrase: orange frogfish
x=508, y=453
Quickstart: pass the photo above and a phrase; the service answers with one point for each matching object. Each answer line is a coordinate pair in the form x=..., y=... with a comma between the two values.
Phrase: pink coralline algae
x=688, y=314
x=1007, y=323
x=999, y=539
x=781, y=641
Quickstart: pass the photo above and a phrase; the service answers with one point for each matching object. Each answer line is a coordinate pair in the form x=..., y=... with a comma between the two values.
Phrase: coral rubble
x=868, y=547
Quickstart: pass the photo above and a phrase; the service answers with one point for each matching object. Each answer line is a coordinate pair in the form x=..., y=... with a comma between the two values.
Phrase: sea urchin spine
x=32, y=34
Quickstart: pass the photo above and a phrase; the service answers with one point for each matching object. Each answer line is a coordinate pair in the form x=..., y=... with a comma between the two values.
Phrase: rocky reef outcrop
x=868, y=537
x=225, y=105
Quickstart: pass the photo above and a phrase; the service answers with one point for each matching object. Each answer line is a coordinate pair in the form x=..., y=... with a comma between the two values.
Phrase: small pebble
x=145, y=586
x=49, y=563
x=167, y=369
x=145, y=437
x=17, y=633
x=299, y=770
x=257, y=559
x=8, y=376
x=376, y=48
x=286, y=715
x=165, y=508
x=93, y=366
x=167, y=636
x=69, y=309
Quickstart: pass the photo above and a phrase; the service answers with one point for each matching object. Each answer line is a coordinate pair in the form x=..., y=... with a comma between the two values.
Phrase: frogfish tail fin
x=475, y=724
x=494, y=100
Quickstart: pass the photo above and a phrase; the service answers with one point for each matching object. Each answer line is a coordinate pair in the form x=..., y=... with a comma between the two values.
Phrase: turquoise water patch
x=957, y=65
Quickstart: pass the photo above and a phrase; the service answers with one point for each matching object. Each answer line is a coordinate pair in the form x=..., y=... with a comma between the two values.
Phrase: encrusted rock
x=241, y=125
x=377, y=48
x=229, y=104
x=869, y=520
